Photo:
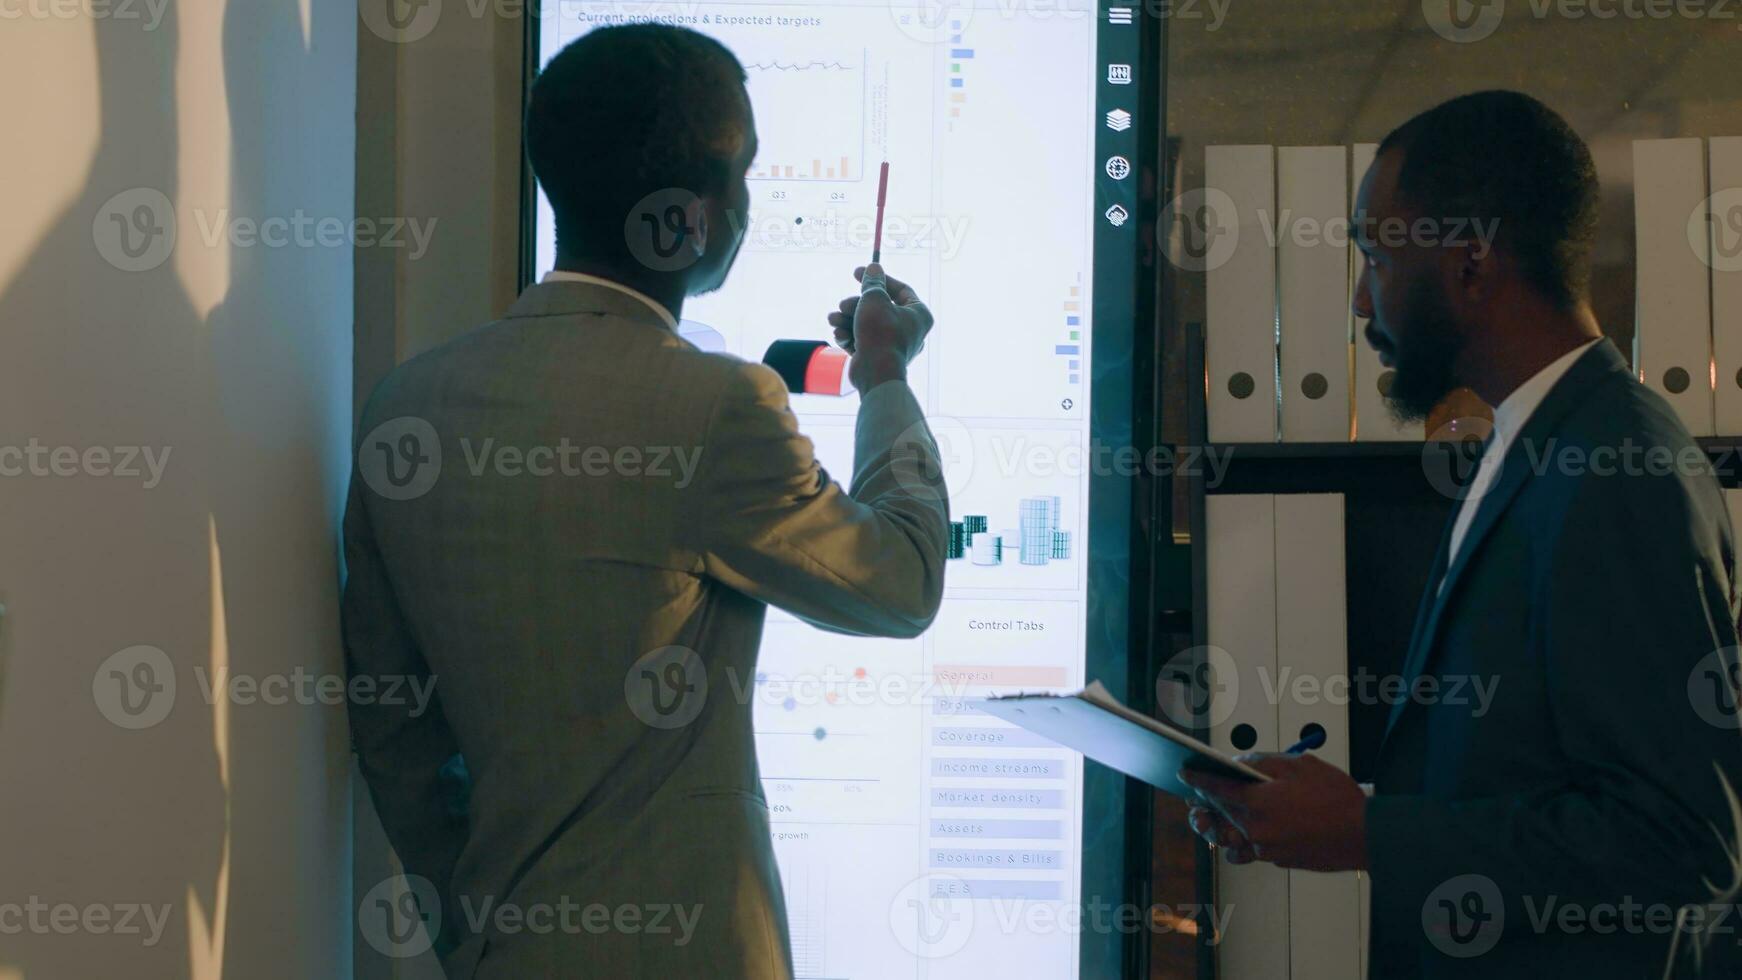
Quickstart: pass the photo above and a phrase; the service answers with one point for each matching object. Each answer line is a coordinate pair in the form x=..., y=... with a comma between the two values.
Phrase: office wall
x=174, y=415
x=439, y=104
x=438, y=139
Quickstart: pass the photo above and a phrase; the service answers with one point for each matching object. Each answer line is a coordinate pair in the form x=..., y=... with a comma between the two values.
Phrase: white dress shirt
x=1509, y=420
x=559, y=275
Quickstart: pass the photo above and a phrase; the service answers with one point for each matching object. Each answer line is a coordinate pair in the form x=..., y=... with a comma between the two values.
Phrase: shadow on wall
x=180, y=396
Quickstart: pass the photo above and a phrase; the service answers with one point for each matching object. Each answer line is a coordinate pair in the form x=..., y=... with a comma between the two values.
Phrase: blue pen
x=1315, y=739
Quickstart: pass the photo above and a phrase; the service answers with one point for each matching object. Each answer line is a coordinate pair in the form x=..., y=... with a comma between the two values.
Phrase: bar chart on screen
x=822, y=103
x=805, y=883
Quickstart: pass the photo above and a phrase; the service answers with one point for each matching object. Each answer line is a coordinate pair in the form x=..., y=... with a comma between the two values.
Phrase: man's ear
x=1476, y=270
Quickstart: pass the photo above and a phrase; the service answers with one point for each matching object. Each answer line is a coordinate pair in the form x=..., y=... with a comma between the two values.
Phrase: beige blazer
x=571, y=522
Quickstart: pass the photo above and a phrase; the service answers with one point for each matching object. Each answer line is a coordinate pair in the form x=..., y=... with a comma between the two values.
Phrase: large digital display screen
x=916, y=835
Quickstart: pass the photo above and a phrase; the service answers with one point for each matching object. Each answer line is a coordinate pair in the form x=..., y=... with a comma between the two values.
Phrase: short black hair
x=1504, y=156
x=624, y=112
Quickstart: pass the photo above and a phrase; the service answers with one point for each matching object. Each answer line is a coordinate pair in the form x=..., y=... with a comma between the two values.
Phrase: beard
x=1424, y=372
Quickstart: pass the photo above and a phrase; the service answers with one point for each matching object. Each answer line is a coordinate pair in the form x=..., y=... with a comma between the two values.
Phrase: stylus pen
x=1314, y=740
x=882, y=196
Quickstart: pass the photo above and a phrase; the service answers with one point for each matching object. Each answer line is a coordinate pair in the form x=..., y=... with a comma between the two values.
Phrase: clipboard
x=1094, y=723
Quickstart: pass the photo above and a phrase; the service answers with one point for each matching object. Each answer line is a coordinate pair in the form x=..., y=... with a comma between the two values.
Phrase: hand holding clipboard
x=1094, y=723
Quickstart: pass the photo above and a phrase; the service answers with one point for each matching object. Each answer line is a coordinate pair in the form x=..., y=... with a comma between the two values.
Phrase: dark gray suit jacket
x=1555, y=835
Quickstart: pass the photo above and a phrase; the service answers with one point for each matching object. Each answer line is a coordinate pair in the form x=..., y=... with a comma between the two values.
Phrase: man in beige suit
x=573, y=521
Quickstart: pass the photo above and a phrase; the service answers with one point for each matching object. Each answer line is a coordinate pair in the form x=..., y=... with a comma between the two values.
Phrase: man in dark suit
x=1578, y=826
